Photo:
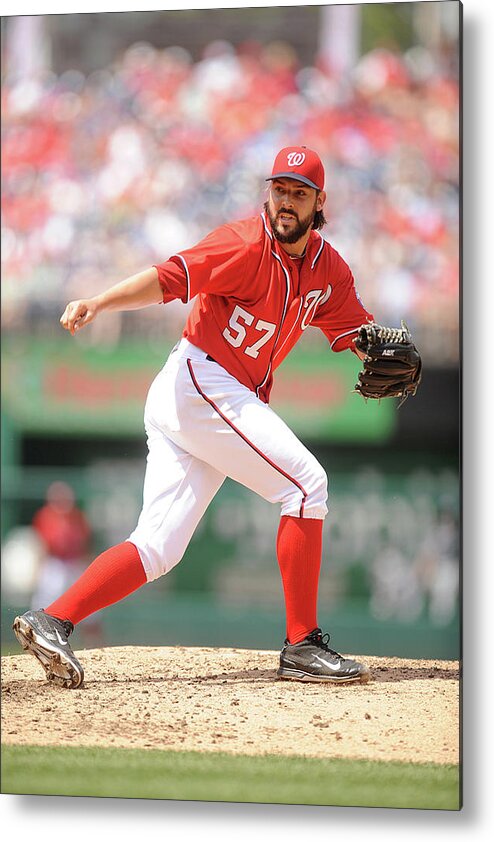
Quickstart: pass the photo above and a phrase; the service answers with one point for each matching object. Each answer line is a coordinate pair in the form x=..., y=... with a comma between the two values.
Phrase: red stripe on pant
x=246, y=440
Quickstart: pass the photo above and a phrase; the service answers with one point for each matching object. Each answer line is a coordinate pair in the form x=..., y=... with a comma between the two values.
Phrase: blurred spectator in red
x=66, y=535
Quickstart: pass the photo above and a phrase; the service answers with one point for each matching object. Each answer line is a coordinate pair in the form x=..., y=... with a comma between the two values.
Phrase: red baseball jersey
x=254, y=301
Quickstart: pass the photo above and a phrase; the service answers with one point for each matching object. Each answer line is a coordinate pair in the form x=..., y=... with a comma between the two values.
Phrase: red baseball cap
x=299, y=163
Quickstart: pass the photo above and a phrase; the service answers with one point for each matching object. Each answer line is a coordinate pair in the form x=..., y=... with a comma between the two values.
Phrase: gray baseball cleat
x=313, y=660
x=46, y=638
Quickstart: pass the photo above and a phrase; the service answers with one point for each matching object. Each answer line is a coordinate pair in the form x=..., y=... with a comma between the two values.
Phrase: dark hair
x=319, y=220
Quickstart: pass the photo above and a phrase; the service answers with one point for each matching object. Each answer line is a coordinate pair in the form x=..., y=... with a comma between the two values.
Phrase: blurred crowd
x=107, y=173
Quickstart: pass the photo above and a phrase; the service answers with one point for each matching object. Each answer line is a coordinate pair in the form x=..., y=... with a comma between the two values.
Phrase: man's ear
x=321, y=198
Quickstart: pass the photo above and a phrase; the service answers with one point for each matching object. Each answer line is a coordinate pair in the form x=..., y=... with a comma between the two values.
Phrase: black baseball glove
x=392, y=367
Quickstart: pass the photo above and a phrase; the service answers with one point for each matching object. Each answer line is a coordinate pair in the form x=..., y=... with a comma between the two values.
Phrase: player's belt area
x=186, y=348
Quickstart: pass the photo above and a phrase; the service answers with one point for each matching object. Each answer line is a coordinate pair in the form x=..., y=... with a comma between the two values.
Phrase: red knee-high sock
x=299, y=550
x=114, y=574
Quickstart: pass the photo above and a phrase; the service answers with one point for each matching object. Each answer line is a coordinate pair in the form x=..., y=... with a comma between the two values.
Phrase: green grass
x=129, y=773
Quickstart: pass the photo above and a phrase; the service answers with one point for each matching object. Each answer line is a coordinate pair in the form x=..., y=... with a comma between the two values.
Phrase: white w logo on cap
x=295, y=159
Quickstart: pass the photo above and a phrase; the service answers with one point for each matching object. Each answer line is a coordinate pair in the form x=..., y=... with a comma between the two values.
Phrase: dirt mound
x=228, y=700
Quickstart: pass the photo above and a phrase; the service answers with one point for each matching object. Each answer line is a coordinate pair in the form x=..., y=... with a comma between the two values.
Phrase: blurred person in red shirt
x=65, y=534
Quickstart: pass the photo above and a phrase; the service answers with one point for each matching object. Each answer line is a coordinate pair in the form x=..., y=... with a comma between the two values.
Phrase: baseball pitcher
x=257, y=285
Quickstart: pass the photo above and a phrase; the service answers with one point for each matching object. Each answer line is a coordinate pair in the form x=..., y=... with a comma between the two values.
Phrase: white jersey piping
x=347, y=333
x=186, y=275
x=319, y=251
x=290, y=331
x=287, y=296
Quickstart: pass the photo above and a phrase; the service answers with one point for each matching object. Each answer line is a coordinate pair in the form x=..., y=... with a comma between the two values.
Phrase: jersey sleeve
x=343, y=313
x=216, y=265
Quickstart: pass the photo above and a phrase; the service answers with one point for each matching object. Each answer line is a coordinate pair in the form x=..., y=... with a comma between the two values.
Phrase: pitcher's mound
x=195, y=699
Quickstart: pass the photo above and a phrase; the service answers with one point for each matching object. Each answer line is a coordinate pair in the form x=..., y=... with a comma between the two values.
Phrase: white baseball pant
x=203, y=425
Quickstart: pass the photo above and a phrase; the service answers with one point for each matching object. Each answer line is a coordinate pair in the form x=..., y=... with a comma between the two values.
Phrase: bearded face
x=287, y=225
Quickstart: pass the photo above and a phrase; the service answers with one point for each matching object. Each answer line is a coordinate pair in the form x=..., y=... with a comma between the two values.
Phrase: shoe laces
x=317, y=638
x=67, y=626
